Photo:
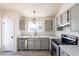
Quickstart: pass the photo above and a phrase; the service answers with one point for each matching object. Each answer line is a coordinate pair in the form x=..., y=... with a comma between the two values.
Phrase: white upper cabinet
x=48, y=25
x=64, y=17
x=22, y=24
x=59, y=25
x=59, y=20
x=63, y=21
x=75, y=18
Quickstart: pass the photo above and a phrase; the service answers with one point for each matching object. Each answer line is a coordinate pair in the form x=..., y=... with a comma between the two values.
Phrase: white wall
x=0, y=32
x=65, y=7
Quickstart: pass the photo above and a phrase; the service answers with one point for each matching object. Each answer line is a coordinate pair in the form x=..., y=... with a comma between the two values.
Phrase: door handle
x=12, y=37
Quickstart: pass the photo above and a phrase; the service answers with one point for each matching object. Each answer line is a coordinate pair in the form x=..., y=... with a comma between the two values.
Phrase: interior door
x=8, y=33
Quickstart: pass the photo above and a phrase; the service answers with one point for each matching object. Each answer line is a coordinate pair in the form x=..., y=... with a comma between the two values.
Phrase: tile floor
x=26, y=53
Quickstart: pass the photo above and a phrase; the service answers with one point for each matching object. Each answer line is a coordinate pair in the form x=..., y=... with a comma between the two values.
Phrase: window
x=34, y=27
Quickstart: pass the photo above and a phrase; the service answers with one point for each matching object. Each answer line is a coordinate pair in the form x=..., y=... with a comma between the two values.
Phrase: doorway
x=8, y=34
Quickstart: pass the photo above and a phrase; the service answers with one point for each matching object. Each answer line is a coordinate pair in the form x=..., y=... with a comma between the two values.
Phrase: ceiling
x=26, y=9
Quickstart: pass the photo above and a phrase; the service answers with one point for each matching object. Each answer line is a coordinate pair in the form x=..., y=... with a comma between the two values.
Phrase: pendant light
x=34, y=19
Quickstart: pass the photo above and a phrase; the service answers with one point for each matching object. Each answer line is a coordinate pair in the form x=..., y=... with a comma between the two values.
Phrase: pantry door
x=8, y=34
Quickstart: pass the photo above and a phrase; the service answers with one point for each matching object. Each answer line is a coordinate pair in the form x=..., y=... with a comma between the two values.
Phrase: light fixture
x=34, y=19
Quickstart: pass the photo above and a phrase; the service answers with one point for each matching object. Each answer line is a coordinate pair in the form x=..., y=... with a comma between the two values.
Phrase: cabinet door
x=63, y=53
x=37, y=44
x=60, y=20
x=21, y=44
x=48, y=25
x=30, y=44
x=59, y=23
x=75, y=18
x=64, y=17
x=22, y=25
x=44, y=44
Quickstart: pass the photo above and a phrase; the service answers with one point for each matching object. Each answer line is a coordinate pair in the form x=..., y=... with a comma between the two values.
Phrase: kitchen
x=33, y=29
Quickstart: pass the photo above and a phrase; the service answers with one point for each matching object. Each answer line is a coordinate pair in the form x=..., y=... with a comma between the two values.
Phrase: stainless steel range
x=65, y=40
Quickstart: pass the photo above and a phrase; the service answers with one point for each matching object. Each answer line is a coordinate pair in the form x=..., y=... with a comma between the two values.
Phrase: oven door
x=54, y=49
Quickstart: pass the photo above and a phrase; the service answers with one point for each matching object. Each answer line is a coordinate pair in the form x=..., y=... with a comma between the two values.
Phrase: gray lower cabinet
x=36, y=44
x=21, y=44
x=44, y=44
x=63, y=53
x=30, y=44
x=33, y=44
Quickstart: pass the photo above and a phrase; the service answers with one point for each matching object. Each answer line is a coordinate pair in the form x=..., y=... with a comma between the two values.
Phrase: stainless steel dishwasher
x=22, y=44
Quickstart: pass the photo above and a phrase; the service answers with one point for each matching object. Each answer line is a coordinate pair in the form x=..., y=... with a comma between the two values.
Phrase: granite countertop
x=72, y=50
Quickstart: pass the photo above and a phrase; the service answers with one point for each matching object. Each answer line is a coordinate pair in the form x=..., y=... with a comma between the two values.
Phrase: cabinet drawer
x=21, y=44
